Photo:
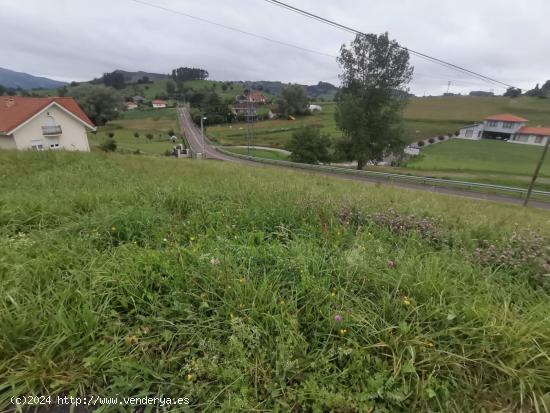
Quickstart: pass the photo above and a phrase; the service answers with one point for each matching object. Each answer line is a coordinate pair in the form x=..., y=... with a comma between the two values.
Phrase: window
x=538, y=139
x=508, y=125
x=492, y=123
x=522, y=138
x=54, y=146
x=469, y=133
x=37, y=145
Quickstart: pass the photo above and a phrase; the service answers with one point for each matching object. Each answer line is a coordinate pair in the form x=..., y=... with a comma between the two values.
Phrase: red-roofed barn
x=43, y=123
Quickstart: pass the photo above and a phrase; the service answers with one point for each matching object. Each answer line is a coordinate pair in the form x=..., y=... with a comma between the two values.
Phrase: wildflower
x=113, y=228
x=241, y=305
x=189, y=377
x=430, y=344
x=342, y=331
x=338, y=318
x=231, y=316
x=214, y=261
x=192, y=238
x=164, y=240
x=281, y=302
x=242, y=280
x=406, y=300
x=391, y=264
x=333, y=294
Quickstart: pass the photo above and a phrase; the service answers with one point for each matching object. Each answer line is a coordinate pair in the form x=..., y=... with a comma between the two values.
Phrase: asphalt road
x=194, y=138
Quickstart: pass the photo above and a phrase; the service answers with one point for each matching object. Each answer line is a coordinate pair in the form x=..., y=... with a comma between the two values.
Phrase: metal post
x=537, y=169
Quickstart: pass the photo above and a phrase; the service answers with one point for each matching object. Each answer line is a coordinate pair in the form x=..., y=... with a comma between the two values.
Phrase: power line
x=259, y=36
x=413, y=52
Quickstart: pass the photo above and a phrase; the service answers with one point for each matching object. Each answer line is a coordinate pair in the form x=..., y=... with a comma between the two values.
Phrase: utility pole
x=448, y=86
x=537, y=169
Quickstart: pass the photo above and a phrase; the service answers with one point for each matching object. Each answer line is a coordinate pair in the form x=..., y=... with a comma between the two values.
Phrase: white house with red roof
x=43, y=123
x=506, y=127
x=158, y=104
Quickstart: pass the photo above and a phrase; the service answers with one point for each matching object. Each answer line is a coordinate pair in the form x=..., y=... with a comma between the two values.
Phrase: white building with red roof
x=506, y=127
x=43, y=123
x=158, y=104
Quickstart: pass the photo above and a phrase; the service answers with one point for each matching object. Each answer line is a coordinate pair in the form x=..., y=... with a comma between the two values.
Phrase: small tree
x=293, y=101
x=136, y=135
x=111, y=135
x=109, y=145
x=149, y=136
x=170, y=88
x=513, y=92
x=308, y=145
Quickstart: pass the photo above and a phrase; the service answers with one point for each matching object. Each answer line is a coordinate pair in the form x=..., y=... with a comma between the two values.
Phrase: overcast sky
x=79, y=40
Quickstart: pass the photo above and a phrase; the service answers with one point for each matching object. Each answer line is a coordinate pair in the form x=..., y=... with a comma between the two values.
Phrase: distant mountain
x=320, y=90
x=12, y=79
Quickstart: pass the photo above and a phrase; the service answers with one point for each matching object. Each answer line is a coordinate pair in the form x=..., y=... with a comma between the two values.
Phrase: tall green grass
x=254, y=289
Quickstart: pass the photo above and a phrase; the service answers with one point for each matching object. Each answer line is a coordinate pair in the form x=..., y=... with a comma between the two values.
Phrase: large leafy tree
x=293, y=100
x=100, y=103
x=375, y=74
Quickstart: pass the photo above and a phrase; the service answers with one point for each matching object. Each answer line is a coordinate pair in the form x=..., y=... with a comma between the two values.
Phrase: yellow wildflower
x=189, y=377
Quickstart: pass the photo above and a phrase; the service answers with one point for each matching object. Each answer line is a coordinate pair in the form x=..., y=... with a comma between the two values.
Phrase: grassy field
x=424, y=118
x=255, y=289
x=481, y=156
x=157, y=122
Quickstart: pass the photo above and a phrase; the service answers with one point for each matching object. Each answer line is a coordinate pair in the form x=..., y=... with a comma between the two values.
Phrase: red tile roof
x=14, y=110
x=534, y=131
x=159, y=102
x=506, y=117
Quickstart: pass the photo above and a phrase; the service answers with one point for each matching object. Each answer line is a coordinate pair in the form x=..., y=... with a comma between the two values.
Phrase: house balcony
x=53, y=130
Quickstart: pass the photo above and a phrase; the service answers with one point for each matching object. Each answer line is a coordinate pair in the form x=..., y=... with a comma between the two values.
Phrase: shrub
x=111, y=135
x=171, y=132
x=149, y=136
x=450, y=135
x=136, y=135
x=109, y=145
x=420, y=143
x=431, y=140
x=457, y=133
x=441, y=138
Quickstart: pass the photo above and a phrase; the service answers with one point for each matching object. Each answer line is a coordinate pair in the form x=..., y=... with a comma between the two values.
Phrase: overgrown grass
x=255, y=289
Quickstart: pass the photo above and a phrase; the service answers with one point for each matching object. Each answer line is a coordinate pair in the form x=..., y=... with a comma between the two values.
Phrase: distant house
x=505, y=127
x=254, y=96
x=131, y=105
x=138, y=99
x=531, y=136
x=158, y=104
x=43, y=123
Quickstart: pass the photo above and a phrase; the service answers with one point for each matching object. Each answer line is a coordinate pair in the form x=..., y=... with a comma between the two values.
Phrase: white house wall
x=528, y=139
x=72, y=138
x=499, y=128
x=7, y=142
x=475, y=132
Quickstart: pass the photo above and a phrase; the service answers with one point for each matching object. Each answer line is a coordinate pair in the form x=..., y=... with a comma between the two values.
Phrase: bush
x=457, y=133
x=149, y=136
x=441, y=138
x=109, y=145
x=420, y=143
x=431, y=140
x=171, y=132
x=111, y=135
x=308, y=145
x=450, y=135
x=136, y=135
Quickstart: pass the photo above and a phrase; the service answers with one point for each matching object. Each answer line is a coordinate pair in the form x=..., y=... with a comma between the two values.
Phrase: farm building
x=131, y=105
x=158, y=104
x=505, y=127
x=43, y=123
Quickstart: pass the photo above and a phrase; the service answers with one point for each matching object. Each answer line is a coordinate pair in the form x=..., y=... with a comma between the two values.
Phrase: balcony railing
x=51, y=130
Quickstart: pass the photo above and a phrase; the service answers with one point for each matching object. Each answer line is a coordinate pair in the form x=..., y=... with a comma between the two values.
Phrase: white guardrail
x=390, y=176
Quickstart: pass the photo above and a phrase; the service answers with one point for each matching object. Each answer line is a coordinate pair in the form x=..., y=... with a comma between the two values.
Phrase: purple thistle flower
x=391, y=264
x=337, y=318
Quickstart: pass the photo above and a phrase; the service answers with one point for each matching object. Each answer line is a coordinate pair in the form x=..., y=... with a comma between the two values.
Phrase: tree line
x=189, y=73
